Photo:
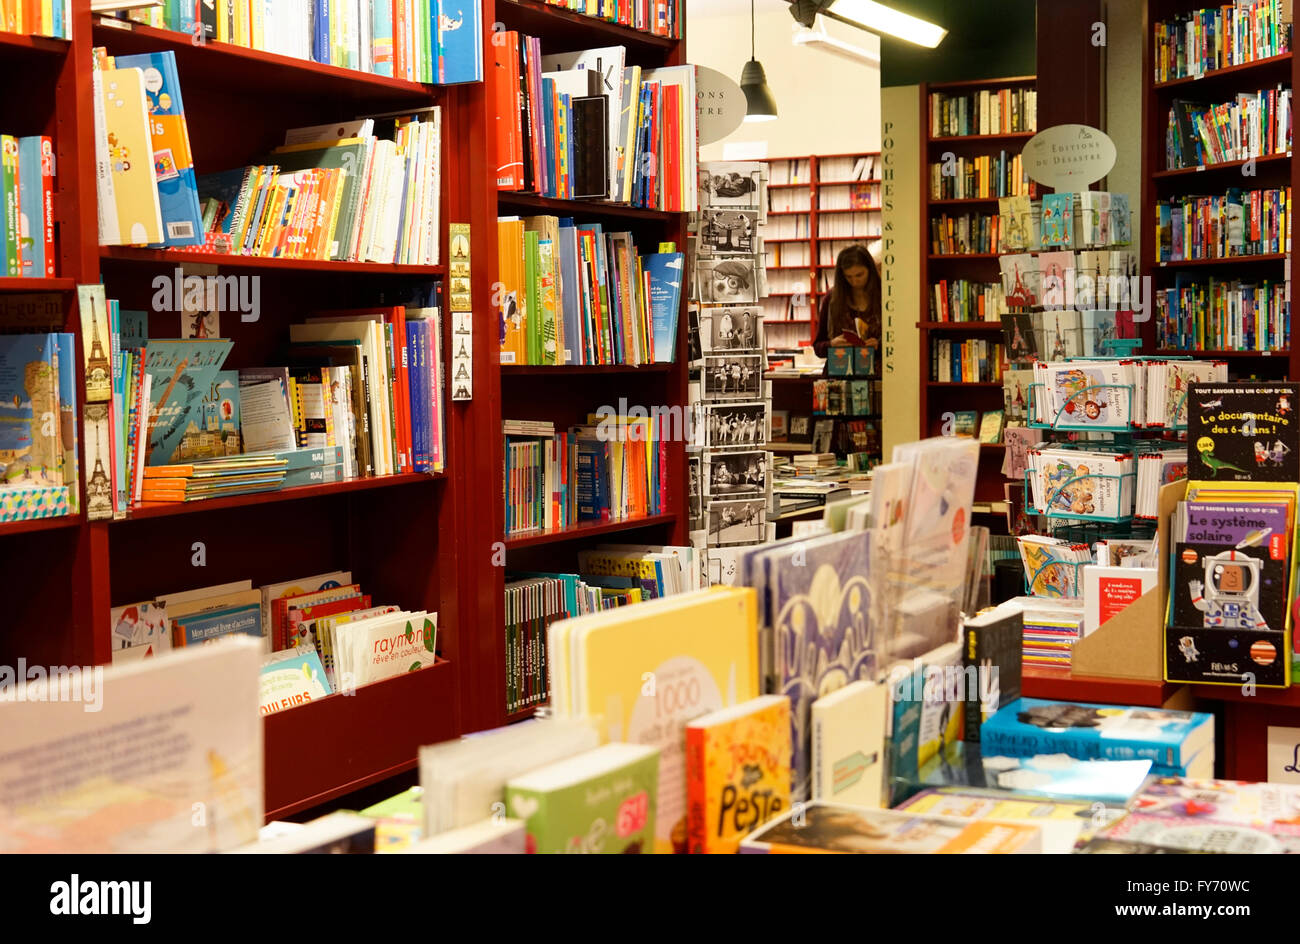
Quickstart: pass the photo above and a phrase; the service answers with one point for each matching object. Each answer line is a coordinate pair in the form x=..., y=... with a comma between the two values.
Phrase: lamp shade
x=759, y=104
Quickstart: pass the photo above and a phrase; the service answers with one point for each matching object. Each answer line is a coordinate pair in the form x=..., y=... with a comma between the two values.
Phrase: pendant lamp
x=759, y=104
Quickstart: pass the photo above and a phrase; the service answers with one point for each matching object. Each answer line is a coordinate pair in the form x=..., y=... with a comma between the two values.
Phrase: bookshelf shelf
x=40, y=524
x=1222, y=260
x=586, y=529
x=1266, y=160
x=563, y=29
x=512, y=200
x=237, y=68
x=1019, y=136
x=21, y=44
x=176, y=257
x=533, y=370
x=1059, y=684
x=365, y=744
x=963, y=201
x=866, y=209
x=1280, y=355
x=1243, y=74
x=171, y=509
x=960, y=325
x=963, y=256
x=37, y=285
x=964, y=383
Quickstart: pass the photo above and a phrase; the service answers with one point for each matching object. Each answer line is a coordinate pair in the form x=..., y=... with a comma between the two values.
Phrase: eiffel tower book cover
x=95, y=341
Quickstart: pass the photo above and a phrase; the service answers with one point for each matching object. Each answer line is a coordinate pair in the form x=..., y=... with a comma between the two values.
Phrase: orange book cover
x=512, y=303
x=737, y=772
x=508, y=136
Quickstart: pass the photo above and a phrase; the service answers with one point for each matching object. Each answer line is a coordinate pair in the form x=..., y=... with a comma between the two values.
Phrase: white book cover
x=384, y=646
x=608, y=61
x=1108, y=590
x=125, y=767
x=848, y=735
x=492, y=836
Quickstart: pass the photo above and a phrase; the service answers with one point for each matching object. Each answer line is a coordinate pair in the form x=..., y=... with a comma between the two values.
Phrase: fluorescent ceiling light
x=882, y=19
x=818, y=38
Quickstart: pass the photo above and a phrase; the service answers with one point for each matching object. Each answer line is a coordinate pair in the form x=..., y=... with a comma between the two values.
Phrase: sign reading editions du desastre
x=1068, y=157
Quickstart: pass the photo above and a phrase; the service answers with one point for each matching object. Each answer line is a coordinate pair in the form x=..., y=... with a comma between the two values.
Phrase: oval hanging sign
x=719, y=104
x=1068, y=157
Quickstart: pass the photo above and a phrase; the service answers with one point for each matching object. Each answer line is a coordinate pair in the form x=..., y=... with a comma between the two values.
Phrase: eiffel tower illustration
x=98, y=487
x=97, y=367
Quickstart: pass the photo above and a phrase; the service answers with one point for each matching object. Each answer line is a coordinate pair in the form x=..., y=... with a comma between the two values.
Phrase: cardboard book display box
x=1131, y=644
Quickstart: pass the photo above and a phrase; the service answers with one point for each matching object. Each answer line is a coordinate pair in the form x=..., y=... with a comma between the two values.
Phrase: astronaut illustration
x=1187, y=646
x=1231, y=599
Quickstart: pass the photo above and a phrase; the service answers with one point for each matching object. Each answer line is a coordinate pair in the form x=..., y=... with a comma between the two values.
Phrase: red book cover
x=509, y=148
x=401, y=55
x=672, y=141
x=299, y=615
x=47, y=200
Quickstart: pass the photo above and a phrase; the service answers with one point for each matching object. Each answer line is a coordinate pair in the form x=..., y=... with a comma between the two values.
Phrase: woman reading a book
x=850, y=314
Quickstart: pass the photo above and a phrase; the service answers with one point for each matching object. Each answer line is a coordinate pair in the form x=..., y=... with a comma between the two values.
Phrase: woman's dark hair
x=840, y=318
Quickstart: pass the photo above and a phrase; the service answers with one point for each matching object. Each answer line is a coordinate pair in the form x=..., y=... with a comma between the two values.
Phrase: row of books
x=1088, y=219
x=1200, y=41
x=585, y=125
x=609, y=576
x=848, y=197
x=1254, y=124
x=1090, y=278
x=1058, y=334
x=659, y=17
x=48, y=18
x=1238, y=223
x=966, y=300
x=421, y=42
x=27, y=192
x=989, y=175
x=354, y=198
x=1087, y=483
x=973, y=361
x=574, y=294
x=967, y=233
x=40, y=473
x=610, y=469
x=848, y=225
x=988, y=111
x=846, y=397
x=1224, y=315
x=1123, y=393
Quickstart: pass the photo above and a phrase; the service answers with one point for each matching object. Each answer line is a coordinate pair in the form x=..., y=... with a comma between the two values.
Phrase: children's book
x=1063, y=334
x=603, y=801
x=1030, y=726
x=490, y=836
x=140, y=624
x=1058, y=220
x=737, y=772
x=31, y=446
x=292, y=678
x=848, y=744
x=1243, y=432
x=130, y=166
x=181, y=376
x=1022, y=281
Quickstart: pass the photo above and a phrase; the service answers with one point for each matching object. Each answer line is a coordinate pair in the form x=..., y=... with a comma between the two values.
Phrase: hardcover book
x=1029, y=726
x=292, y=678
x=603, y=801
x=737, y=772
x=991, y=645
x=182, y=373
x=848, y=744
x=31, y=445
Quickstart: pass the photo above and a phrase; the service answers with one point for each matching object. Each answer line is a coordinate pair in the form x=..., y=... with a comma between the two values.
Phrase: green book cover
x=534, y=322
x=602, y=801
x=9, y=168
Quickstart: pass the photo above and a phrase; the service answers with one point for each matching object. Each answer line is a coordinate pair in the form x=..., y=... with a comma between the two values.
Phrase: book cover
x=848, y=744
x=460, y=46
x=294, y=678
x=182, y=374
x=31, y=445
x=603, y=801
x=208, y=625
x=991, y=645
x=821, y=612
x=664, y=272
x=140, y=624
x=130, y=159
x=1030, y=726
x=1108, y=590
x=840, y=828
x=737, y=772
x=173, y=162
x=1242, y=432
x=503, y=836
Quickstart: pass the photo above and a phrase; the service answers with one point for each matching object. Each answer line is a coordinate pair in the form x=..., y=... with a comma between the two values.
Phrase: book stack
x=573, y=294
x=990, y=175
x=212, y=478
x=1053, y=567
x=650, y=16
x=968, y=233
x=27, y=192
x=37, y=19
x=988, y=111
x=584, y=125
x=607, y=470
x=334, y=192
x=40, y=473
x=973, y=361
x=1223, y=314
x=433, y=43
x=1254, y=124
x=966, y=300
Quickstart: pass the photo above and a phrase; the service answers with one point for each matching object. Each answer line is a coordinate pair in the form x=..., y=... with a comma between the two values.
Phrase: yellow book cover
x=737, y=772
x=130, y=157
x=640, y=673
x=512, y=300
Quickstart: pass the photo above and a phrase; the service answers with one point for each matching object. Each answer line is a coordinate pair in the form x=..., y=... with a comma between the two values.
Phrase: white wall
x=825, y=104
x=1123, y=111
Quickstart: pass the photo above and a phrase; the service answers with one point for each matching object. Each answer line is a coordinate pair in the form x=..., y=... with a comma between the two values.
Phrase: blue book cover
x=548, y=132
x=821, y=615
x=381, y=37
x=68, y=414
x=203, y=627
x=214, y=431
x=417, y=333
x=905, y=730
x=182, y=373
x=225, y=187
x=31, y=452
x=574, y=351
x=591, y=458
x=320, y=40
x=31, y=203
x=315, y=475
x=178, y=191
x=293, y=672
x=459, y=41
x=1061, y=777
x=665, y=272
x=1030, y=726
